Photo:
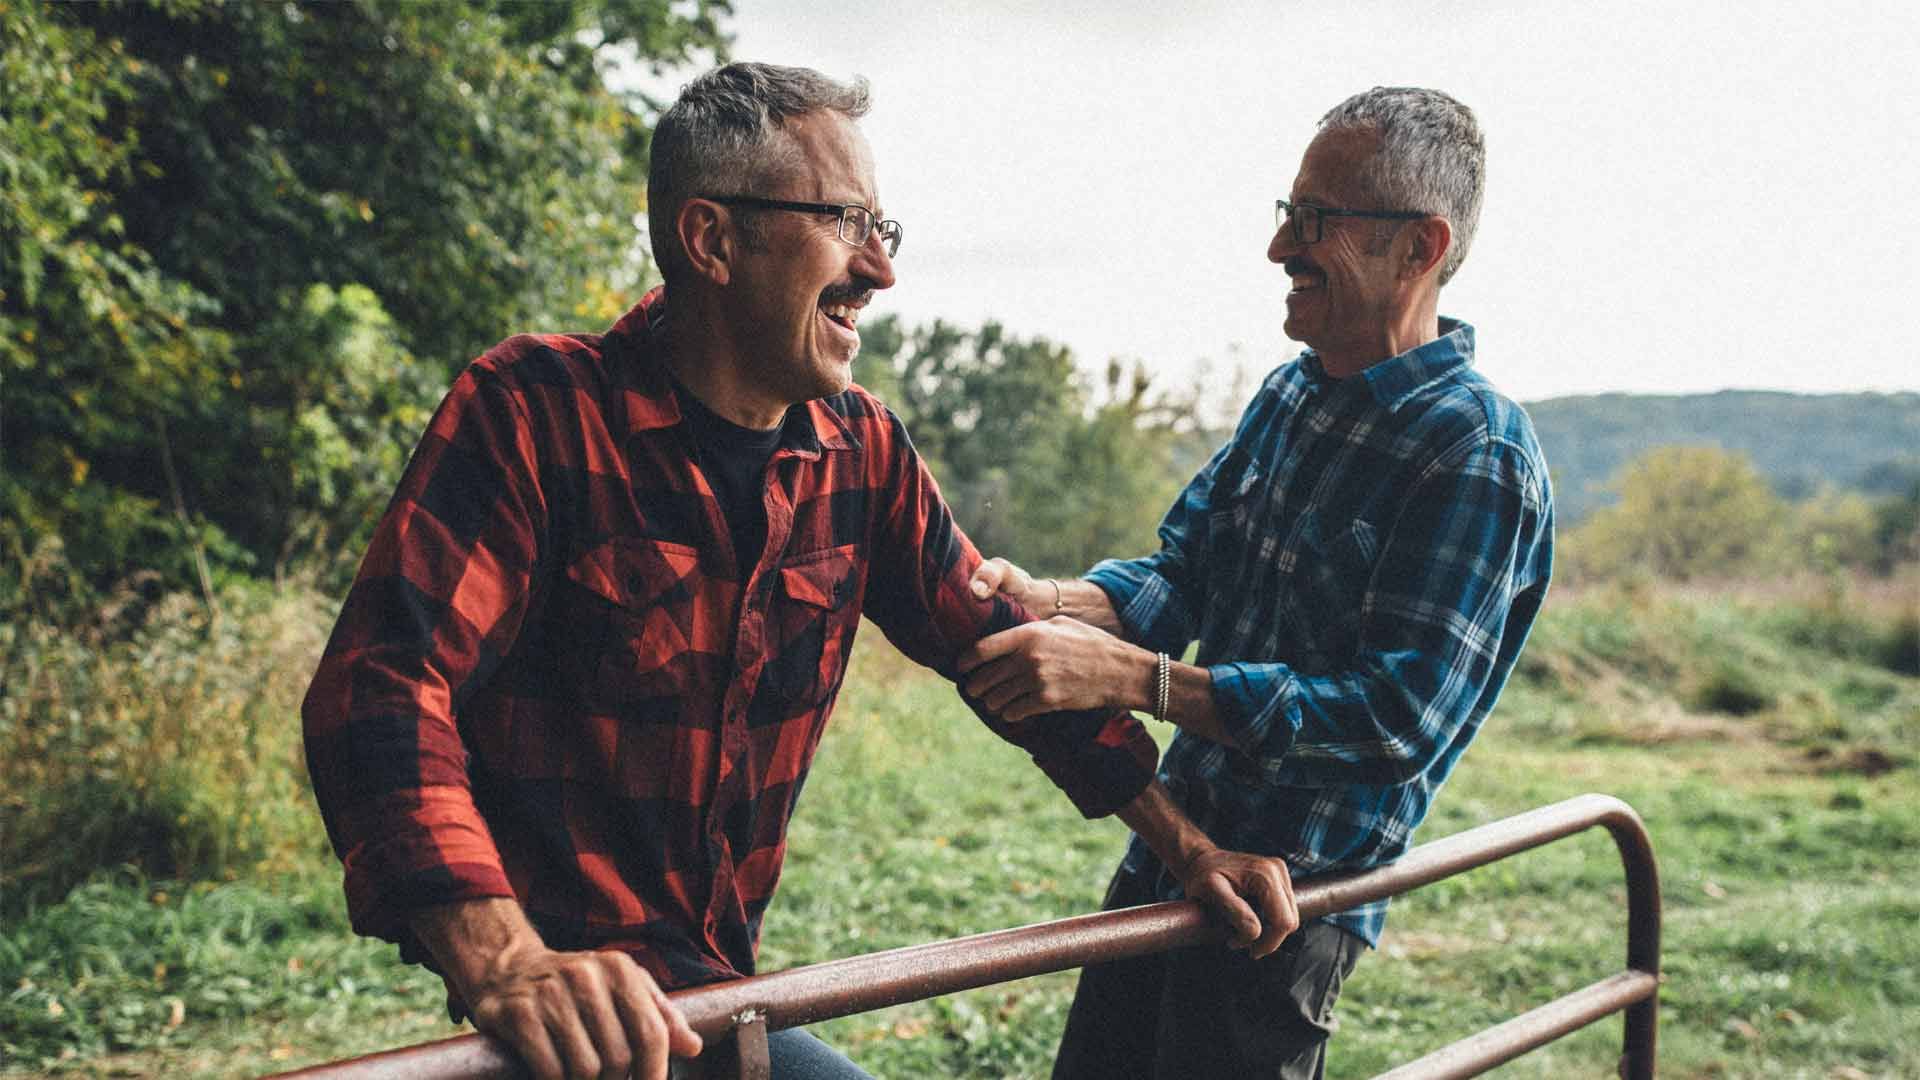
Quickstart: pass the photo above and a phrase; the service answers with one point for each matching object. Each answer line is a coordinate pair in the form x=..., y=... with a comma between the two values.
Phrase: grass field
x=1769, y=749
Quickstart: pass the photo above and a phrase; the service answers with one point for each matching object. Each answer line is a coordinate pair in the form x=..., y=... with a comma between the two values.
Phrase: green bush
x=171, y=746
x=1900, y=652
x=1733, y=689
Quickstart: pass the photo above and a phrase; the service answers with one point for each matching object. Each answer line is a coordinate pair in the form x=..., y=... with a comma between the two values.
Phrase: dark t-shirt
x=734, y=459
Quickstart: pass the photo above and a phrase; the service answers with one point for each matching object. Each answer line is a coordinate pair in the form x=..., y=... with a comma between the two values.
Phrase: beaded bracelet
x=1163, y=686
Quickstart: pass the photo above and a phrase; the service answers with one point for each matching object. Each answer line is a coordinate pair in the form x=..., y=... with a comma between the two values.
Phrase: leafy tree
x=1038, y=464
x=977, y=403
x=1098, y=485
x=245, y=244
x=1685, y=512
x=1834, y=530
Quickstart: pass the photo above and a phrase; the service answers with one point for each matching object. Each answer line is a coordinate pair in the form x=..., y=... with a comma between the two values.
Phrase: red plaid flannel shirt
x=537, y=687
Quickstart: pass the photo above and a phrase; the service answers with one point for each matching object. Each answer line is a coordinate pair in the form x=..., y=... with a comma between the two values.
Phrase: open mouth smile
x=1305, y=278
x=844, y=315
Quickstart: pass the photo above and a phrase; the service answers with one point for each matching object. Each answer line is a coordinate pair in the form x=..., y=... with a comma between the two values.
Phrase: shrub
x=1733, y=689
x=1901, y=650
x=171, y=746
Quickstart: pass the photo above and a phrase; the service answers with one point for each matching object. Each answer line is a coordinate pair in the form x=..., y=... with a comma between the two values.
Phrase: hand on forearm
x=1076, y=599
x=1044, y=667
x=1252, y=893
x=567, y=1014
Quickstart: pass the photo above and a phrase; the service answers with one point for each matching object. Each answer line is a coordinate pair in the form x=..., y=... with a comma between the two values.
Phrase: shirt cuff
x=1104, y=774
x=421, y=864
x=1149, y=610
x=1248, y=699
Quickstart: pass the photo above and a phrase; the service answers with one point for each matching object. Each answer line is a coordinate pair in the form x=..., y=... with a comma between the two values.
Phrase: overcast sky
x=1681, y=197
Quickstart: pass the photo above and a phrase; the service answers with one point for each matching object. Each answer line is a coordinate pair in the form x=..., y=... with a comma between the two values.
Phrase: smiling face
x=799, y=289
x=1343, y=298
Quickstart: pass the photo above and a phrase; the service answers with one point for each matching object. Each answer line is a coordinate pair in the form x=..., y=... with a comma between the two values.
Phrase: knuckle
x=616, y=1063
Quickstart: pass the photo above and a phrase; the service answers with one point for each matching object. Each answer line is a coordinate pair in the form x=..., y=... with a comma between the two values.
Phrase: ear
x=706, y=235
x=1428, y=241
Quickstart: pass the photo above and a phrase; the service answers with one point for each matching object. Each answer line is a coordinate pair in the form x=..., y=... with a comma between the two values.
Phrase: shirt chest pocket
x=630, y=615
x=1238, y=492
x=1335, y=573
x=810, y=620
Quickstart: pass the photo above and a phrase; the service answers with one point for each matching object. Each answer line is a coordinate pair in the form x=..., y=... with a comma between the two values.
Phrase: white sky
x=1681, y=197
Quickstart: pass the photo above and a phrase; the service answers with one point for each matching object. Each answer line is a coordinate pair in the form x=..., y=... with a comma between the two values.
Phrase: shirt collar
x=1398, y=379
x=646, y=388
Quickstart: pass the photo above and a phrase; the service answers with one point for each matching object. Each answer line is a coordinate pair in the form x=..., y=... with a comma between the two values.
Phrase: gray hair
x=724, y=137
x=1432, y=157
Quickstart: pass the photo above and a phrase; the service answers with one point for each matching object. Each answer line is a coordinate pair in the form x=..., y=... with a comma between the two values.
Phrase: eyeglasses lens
x=856, y=224
x=1304, y=221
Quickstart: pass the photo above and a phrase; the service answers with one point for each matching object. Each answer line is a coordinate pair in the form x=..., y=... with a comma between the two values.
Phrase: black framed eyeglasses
x=857, y=223
x=1309, y=221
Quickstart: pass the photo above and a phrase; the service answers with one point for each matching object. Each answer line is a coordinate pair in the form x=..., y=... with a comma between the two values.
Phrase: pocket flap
x=633, y=572
x=820, y=582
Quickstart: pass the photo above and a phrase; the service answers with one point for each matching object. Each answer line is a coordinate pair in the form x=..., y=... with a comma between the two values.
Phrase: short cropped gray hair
x=1432, y=157
x=724, y=136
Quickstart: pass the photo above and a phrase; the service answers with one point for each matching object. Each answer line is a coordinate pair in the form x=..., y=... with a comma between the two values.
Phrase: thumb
x=987, y=577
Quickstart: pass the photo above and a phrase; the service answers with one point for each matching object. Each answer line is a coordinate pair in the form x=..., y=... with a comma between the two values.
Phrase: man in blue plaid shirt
x=1360, y=565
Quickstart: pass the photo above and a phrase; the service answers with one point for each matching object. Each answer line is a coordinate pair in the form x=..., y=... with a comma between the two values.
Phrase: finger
x=519, y=1026
x=646, y=1030
x=681, y=1038
x=1243, y=926
x=994, y=646
x=1277, y=915
x=595, y=1000
x=1012, y=687
x=988, y=576
x=564, y=1025
x=984, y=679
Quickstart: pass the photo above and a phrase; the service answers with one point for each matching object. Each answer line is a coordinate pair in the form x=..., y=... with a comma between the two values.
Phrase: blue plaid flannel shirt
x=1360, y=564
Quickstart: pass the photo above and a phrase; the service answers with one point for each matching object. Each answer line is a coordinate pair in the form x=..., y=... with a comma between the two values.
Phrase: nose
x=1282, y=245
x=873, y=262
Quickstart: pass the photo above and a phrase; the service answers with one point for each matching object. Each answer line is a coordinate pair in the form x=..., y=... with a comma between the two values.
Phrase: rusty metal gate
x=735, y=1017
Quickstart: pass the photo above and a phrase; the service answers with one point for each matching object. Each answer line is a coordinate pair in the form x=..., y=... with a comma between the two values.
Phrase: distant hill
x=1801, y=442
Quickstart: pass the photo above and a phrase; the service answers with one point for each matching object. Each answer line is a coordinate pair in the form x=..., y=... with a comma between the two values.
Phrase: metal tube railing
x=859, y=984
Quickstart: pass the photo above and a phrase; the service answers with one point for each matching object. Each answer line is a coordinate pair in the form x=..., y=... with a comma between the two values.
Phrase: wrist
x=476, y=941
x=1172, y=836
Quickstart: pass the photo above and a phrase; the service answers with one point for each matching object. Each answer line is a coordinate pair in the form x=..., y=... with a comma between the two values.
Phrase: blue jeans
x=797, y=1055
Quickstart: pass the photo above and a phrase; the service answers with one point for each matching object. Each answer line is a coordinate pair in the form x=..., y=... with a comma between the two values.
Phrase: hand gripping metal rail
x=735, y=1017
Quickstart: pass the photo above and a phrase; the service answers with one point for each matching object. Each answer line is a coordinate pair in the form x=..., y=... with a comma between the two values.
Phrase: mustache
x=1297, y=265
x=851, y=293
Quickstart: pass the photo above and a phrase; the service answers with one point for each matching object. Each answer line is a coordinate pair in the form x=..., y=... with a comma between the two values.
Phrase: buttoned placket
x=750, y=655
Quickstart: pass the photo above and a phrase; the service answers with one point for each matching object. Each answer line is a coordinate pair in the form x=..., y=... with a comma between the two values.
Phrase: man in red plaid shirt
x=572, y=696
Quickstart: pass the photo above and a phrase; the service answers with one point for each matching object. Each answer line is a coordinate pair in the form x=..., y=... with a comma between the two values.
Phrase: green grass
x=1786, y=820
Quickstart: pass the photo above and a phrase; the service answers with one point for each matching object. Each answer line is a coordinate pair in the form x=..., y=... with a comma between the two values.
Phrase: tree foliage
x=1039, y=463
x=1684, y=512
x=243, y=245
x=1700, y=513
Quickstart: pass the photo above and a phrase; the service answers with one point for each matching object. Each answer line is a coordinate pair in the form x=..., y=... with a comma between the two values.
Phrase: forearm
x=1078, y=599
x=1253, y=894
x=1190, y=703
x=472, y=939
x=1166, y=829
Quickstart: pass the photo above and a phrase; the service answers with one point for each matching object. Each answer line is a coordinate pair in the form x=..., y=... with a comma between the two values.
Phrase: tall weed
x=171, y=746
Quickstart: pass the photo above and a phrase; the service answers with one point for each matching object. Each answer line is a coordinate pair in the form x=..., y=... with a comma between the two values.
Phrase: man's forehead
x=834, y=162
x=1334, y=166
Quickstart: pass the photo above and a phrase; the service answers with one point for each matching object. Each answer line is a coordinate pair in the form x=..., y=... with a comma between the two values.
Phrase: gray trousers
x=1207, y=1011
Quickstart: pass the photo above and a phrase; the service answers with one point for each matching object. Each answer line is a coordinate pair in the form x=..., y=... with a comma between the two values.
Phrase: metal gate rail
x=734, y=1017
